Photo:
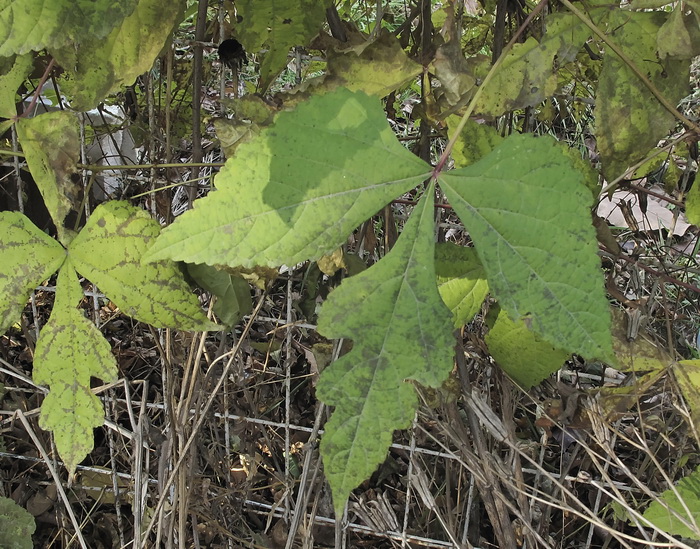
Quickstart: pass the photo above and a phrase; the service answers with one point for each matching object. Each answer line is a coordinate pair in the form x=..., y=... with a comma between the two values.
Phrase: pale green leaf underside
x=27, y=25
x=28, y=257
x=519, y=352
x=461, y=281
x=401, y=330
x=52, y=147
x=108, y=251
x=69, y=351
x=299, y=189
x=688, y=488
x=527, y=211
x=103, y=64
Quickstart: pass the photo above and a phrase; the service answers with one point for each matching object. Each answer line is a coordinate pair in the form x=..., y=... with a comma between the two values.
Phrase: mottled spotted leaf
x=27, y=258
x=108, y=251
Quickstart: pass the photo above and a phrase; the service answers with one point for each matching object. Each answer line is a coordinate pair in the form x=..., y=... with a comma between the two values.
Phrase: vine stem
x=627, y=61
x=480, y=90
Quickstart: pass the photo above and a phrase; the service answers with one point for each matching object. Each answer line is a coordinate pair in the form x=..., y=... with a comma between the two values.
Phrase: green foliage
x=16, y=526
x=277, y=25
x=629, y=119
x=461, y=281
x=232, y=292
x=52, y=147
x=12, y=72
x=519, y=352
x=528, y=74
x=401, y=331
x=302, y=174
x=678, y=510
x=37, y=24
x=29, y=257
x=70, y=349
x=528, y=212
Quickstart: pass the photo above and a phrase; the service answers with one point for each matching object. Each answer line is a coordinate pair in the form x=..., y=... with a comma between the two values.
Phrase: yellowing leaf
x=29, y=257
x=70, y=351
x=375, y=67
x=278, y=25
x=630, y=121
x=28, y=25
x=299, y=189
x=103, y=64
x=401, y=331
x=52, y=148
x=461, y=281
x=687, y=373
x=528, y=211
x=475, y=141
x=108, y=251
x=519, y=352
x=673, y=517
x=13, y=71
x=528, y=73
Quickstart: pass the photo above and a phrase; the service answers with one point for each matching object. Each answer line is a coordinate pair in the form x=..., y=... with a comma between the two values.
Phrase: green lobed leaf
x=520, y=353
x=401, y=331
x=13, y=71
x=528, y=211
x=70, y=350
x=232, y=292
x=277, y=25
x=108, y=251
x=630, y=121
x=52, y=148
x=299, y=189
x=461, y=281
x=27, y=25
x=528, y=74
x=27, y=258
x=685, y=496
x=100, y=65
x=16, y=526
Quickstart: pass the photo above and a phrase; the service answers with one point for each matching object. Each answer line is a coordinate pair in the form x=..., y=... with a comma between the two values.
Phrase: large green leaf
x=299, y=189
x=232, y=292
x=630, y=121
x=277, y=25
x=52, y=147
x=401, y=331
x=27, y=258
x=100, y=65
x=674, y=516
x=16, y=526
x=70, y=350
x=108, y=251
x=27, y=25
x=528, y=211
